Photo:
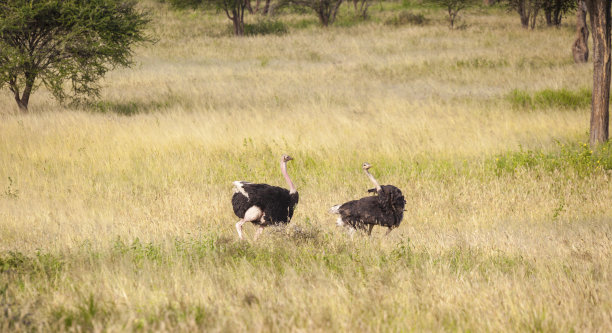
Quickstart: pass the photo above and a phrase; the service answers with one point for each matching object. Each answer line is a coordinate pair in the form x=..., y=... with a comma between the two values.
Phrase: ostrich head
x=365, y=167
x=284, y=159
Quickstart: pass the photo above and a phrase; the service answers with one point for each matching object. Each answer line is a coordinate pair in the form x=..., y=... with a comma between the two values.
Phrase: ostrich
x=264, y=204
x=386, y=208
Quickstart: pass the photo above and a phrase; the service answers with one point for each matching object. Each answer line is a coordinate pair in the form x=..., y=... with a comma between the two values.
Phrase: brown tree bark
x=599, y=13
x=266, y=9
x=237, y=18
x=580, y=48
x=24, y=99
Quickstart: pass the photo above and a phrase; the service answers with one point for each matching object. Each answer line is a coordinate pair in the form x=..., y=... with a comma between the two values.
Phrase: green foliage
x=83, y=317
x=326, y=10
x=570, y=157
x=407, y=18
x=233, y=9
x=42, y=265
x=138, y=251
x=452, y=8
x=550, y=99
x=481, y=62
x=67, y=46
x=265, y=27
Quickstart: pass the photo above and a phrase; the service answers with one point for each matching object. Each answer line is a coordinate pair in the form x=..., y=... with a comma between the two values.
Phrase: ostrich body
x=385, y=209
x=264, y=204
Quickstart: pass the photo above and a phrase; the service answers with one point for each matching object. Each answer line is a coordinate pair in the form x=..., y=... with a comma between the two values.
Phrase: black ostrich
x=385, y=209
x=264, y=204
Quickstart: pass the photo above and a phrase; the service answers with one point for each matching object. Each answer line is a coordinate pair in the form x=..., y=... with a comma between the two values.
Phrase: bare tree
x=599, y=13
x=580, y=48
x=326, y=10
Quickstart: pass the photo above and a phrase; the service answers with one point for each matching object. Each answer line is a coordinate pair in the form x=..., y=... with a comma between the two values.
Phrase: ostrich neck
x=289, y=182
x=378, y=188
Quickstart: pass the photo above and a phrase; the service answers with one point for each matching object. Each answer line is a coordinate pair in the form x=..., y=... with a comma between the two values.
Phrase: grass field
x=117, y=216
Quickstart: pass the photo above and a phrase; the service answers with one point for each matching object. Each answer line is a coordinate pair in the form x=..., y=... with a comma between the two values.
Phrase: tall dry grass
x=116, y=216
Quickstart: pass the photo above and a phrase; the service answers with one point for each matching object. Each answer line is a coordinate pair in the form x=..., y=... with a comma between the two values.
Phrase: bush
x=265, y=27
x=407, y=18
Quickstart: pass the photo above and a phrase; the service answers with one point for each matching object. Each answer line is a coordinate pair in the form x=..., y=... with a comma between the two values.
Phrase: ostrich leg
x=258, y=232
x=388, y=232
x=252, y=214
x=370, y=229
x=239, y=228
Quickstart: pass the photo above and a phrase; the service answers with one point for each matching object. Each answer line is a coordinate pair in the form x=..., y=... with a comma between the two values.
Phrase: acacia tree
x=326, y=10
x=527, y=10
x=453, y=7
x=599, y=14
x=555, y=9
x=67, y=46
x=361, y=8
x=233, y=9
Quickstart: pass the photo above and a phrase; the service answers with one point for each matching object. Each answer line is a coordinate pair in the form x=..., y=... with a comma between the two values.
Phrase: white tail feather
x=238, y=187
x=335, y=209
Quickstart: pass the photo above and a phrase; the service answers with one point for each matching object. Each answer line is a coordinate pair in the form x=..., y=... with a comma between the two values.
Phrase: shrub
x=265, y=27
x=407, y=18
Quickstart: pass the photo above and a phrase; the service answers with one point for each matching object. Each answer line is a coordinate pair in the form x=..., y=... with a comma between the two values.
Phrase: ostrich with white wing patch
x=263, y=204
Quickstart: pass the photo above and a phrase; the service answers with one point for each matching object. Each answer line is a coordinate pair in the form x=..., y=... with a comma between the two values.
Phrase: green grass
x=305, y=251
x=568, y=158
x=561, y=99
x=265, y=27
x=407, y=18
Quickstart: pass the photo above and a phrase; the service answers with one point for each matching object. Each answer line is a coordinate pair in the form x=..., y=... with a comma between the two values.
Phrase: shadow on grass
x=134, y=107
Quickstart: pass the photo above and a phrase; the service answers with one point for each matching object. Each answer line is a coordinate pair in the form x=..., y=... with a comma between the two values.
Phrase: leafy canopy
x=66, y=45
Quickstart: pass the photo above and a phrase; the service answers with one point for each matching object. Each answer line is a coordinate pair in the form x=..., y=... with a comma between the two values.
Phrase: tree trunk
x=22, y=104
x=266, y=8
x=533, y=18
x=599, y=13
x=237, y=18
x=523, y=13
x=324, y=18
x=24, y=99
x=548, y=15
x=580, y=49
x=451, y=17
x=557, y=15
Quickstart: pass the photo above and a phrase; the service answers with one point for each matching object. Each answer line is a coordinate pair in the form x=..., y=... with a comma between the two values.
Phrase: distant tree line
x=68, y=46
x=553, y=10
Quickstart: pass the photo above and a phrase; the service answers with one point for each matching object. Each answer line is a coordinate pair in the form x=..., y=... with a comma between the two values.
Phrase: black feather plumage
x=386, y=208
x=276, y=203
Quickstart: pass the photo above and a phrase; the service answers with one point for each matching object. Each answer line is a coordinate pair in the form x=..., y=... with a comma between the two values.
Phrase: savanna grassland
x=116, y=216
